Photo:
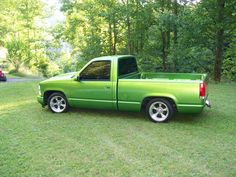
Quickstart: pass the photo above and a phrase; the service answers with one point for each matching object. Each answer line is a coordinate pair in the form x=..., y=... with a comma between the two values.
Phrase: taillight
x=202, y=90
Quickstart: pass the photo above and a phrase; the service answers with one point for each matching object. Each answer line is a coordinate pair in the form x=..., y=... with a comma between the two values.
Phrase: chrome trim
x=128, y=102
x=106, y=101
x=79, y=99
x=190, y=105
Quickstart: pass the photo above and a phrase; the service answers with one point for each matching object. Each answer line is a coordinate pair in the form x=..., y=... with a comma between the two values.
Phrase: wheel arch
x=149, y=98
x=47, y=94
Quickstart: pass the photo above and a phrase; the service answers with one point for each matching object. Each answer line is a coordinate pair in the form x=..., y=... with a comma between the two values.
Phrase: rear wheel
x=57, y=103
x=159, y=110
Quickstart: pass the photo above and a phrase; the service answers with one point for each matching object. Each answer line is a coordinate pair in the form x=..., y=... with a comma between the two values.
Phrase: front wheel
x=57, y=103
x=159, y=110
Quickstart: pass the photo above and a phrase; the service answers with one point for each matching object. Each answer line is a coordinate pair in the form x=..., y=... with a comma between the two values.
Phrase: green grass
x=36, y=142
x=12, y=76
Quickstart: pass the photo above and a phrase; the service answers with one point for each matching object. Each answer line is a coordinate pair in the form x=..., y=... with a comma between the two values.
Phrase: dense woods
x=165, y=35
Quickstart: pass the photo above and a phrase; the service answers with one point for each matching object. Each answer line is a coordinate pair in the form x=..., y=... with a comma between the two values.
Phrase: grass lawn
x=36, y=142
x=11, y=75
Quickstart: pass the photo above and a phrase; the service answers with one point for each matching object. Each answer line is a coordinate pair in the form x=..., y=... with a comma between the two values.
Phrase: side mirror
x=78, y=78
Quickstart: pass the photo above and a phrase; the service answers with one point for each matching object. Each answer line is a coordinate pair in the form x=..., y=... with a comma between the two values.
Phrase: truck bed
x=166, y=76
x=183, y=89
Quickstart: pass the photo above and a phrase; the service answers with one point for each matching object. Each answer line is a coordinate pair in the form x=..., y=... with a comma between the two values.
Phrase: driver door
x=94, y=89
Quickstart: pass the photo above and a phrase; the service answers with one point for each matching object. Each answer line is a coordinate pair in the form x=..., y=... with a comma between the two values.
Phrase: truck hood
x=66, y=76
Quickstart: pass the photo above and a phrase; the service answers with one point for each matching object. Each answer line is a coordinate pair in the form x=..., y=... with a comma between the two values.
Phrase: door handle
x=107, y=87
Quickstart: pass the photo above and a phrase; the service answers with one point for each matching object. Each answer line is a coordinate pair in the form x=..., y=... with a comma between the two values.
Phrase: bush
x=53, y=69
x=46, y=67
x=229, y=69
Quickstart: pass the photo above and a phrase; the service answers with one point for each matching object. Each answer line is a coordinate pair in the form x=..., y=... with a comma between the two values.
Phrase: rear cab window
x=127, y=66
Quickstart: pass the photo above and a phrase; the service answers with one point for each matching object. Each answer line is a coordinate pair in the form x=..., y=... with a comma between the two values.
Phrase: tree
x=24, y=37
x=221, y=22
x=16, y=53
x=219, y=39
x=179, y=36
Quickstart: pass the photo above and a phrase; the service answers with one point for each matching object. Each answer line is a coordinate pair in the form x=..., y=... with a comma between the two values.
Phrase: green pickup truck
x=114, y=83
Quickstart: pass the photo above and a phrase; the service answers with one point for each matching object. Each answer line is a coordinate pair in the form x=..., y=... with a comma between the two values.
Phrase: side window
x=97, y=70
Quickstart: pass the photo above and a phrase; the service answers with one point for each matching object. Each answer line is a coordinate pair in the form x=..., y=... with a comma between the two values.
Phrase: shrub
x=229, y=68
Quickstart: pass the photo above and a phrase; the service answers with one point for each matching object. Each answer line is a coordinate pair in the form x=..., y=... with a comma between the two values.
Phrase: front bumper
x=41, y=100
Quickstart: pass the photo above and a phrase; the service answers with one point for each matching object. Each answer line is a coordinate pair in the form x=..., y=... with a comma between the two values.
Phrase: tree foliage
x=23, y=35
x=16, y=53
x=179, y=36
x=165, y=35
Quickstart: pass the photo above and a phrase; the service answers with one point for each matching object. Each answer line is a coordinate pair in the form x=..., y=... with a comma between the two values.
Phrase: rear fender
x=163, y=95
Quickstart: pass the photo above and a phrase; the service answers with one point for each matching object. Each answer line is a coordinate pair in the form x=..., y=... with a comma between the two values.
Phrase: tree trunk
x=28, y=31
x=142, y=41
x=129, y=36
x=115, y=37
x=17, y=67
x=219, y=55
x=175, y=11
x=219, y=41
x=163, y=37
x=164, y=54
x=130, y=50
x=168, y=40
x=110, y=38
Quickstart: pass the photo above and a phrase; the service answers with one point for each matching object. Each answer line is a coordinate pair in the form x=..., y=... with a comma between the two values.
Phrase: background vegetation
x=165, y=35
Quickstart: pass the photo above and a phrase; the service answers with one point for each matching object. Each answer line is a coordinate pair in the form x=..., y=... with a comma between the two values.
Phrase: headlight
x=39, y=90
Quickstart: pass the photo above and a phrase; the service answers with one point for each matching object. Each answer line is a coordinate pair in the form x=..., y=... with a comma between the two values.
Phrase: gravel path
x=21, y=80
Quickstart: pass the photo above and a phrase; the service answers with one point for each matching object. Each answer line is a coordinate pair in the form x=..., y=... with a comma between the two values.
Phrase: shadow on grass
x=188, y=118
x=181, y=118
x=110, y=114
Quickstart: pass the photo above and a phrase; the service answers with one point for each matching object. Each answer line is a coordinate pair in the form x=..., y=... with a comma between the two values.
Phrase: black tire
x=61, y=98
x=164, y=112
x=4, y=79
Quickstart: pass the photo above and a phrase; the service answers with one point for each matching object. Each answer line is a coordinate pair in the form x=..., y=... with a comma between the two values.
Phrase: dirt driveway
x=21, y=80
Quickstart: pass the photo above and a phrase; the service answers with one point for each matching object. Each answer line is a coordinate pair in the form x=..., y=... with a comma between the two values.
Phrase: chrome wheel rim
x=158, y=111
x=58, y=104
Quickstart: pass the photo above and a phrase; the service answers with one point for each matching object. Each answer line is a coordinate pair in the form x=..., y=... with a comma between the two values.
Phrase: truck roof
x=112, y=57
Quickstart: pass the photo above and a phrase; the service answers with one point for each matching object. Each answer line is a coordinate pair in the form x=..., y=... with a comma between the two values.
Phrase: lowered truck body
x=115, y=83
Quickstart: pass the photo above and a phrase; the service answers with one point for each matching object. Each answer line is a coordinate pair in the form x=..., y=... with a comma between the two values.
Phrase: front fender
x=46, y=88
